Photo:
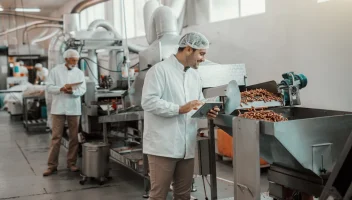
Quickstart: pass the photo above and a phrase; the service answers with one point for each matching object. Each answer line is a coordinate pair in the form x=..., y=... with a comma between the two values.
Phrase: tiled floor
x=23, y=159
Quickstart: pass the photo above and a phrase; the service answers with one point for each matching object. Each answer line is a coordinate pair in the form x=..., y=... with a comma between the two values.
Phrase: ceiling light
x=27, y=10
x=1, y=9
x=322, y=1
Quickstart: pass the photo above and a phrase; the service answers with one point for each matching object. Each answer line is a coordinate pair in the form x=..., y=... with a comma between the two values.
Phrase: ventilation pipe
x=22, y=27
x=86, y=4
x=54, y=52
x=46, y=37
x=149, y=26
x=25, y=32
x=31, y=16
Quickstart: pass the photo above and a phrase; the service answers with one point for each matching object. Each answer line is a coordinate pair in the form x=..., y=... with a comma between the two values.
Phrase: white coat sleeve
x=50, y=84
x=153, y=88
x=81, y=89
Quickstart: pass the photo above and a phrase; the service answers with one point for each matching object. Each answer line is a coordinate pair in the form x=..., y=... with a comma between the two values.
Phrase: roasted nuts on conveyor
x=258, y=95
x=264, y=115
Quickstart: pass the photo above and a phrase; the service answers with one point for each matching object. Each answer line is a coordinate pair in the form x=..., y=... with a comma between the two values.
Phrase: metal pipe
x=31, y=16
x=25, y=32
x=42, y=33
x=22, y=27
x=86, y=4
x=46, y=37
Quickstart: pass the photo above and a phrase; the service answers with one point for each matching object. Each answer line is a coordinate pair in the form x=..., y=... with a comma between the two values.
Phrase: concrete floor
x=23, y=159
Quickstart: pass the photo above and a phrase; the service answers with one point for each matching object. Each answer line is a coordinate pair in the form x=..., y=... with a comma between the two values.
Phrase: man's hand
x=68, y=86
x=66, y=90
x=192, y=105
x=213, y=113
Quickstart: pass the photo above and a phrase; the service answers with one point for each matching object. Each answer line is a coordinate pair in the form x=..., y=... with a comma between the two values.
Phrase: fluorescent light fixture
x=1, y=9
x=27, y=10
x=322, y=1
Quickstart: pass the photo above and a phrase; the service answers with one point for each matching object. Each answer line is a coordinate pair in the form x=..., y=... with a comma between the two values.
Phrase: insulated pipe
x=149, y=26
x=42, y=34
x=46, y=37
x=31, y=16
x=25, y=32
x=109, y=27
x=161, y=23
x=164, y=22
x=22, y=27
x=86, y=4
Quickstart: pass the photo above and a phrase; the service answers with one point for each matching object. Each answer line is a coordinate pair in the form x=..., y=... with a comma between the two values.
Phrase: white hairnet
x=38, y=65
x=195, y=40
x=21, y=63
x=71, y=53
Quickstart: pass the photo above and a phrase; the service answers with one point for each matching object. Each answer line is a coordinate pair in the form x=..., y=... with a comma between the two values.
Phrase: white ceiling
x=46, y=6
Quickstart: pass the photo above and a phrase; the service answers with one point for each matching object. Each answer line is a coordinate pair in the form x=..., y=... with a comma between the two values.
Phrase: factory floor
x=23, y=157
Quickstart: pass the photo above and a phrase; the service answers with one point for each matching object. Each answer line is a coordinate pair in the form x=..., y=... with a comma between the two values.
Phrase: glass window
x=252, y=7
x=223, y=10
x=134, y=17
x=90, y=14
x=230, y=9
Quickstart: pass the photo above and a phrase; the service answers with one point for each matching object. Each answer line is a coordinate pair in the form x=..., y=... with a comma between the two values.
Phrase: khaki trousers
x=165, y=170
x=57, y=131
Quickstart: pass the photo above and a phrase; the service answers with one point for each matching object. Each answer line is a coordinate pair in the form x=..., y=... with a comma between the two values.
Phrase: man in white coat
x=172, y=91
x=66, y=105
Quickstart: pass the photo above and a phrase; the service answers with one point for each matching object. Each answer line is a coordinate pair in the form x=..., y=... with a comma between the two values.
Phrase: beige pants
x=58, y=123
x=163, y=171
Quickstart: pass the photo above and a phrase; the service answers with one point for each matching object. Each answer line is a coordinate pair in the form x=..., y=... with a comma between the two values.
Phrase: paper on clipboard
x=75, y=85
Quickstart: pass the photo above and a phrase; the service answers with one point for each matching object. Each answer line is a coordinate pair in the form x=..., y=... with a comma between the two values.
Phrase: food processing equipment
x=302, y=151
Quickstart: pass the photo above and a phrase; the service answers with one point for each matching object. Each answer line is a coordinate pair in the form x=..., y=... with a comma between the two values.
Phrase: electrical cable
x=89, y=68
x=86, y=58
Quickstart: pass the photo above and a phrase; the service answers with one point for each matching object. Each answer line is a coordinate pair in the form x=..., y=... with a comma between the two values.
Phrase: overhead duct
x=22, y=27
x=55, y=51
x=25, y=32
x=50, y=35
x=31, y=16
x=86, y=4
x=162, y=23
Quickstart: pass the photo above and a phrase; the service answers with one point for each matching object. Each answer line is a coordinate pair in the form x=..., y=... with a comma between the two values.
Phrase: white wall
x=296, y=35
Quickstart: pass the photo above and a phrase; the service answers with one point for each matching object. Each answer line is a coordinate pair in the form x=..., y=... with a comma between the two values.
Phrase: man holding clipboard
x=66, y=83
x=172, y=92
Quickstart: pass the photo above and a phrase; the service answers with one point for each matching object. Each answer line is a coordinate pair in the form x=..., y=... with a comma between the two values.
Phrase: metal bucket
x=95, y=159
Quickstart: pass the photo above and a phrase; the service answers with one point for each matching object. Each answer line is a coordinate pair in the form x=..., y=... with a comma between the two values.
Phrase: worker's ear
x=189, y=50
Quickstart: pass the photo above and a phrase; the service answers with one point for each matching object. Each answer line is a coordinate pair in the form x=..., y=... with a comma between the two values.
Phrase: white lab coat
x=24, y=70
x=65, y=104
x=43, y=74
x=166, y=88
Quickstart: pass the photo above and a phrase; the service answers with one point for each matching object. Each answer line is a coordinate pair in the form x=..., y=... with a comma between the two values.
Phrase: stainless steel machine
x=308, y=153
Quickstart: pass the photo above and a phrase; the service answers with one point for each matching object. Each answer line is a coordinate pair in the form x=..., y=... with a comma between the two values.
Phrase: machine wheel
x=101, y=181
x=82, y=182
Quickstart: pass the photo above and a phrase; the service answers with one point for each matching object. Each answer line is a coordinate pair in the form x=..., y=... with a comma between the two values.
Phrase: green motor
x=290, y=78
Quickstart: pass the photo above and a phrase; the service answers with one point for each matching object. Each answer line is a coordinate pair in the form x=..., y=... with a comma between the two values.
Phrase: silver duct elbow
x=86, y=4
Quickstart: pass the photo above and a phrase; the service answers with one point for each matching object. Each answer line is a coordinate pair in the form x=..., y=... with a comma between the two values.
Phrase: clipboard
x=202, y=112
x=74, y=85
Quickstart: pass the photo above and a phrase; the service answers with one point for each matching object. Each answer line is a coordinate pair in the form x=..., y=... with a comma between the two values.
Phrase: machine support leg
x=212, y=161
x=105, y=133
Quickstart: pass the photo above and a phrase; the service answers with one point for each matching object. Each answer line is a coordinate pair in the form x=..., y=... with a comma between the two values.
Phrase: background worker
x=66, y=105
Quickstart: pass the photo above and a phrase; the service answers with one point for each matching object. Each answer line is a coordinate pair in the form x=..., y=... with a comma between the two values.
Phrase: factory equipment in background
x=302, y=145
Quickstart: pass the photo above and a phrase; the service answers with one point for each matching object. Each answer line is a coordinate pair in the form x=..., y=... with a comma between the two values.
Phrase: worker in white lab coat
x=42, y=73
x=66, y=105
x=23, y=69
x=171, y=93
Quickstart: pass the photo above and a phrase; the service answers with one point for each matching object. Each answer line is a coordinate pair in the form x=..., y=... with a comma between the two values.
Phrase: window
x=134, y=17
x=90, y=14
x=230, y=9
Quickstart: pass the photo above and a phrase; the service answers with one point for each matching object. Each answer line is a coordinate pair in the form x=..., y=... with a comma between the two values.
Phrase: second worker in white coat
x=172, y=91
x=66, y=105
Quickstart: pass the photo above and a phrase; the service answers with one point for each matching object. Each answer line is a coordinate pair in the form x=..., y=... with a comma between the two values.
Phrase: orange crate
x=225, y=145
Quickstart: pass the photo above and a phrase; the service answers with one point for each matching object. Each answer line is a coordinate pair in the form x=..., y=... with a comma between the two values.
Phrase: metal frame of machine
x=302, y=151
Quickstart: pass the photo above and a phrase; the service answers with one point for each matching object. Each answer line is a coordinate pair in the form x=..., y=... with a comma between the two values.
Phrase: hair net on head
x=38, y=65
x=71, y=53
x=21, y=63
x=194, y=40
